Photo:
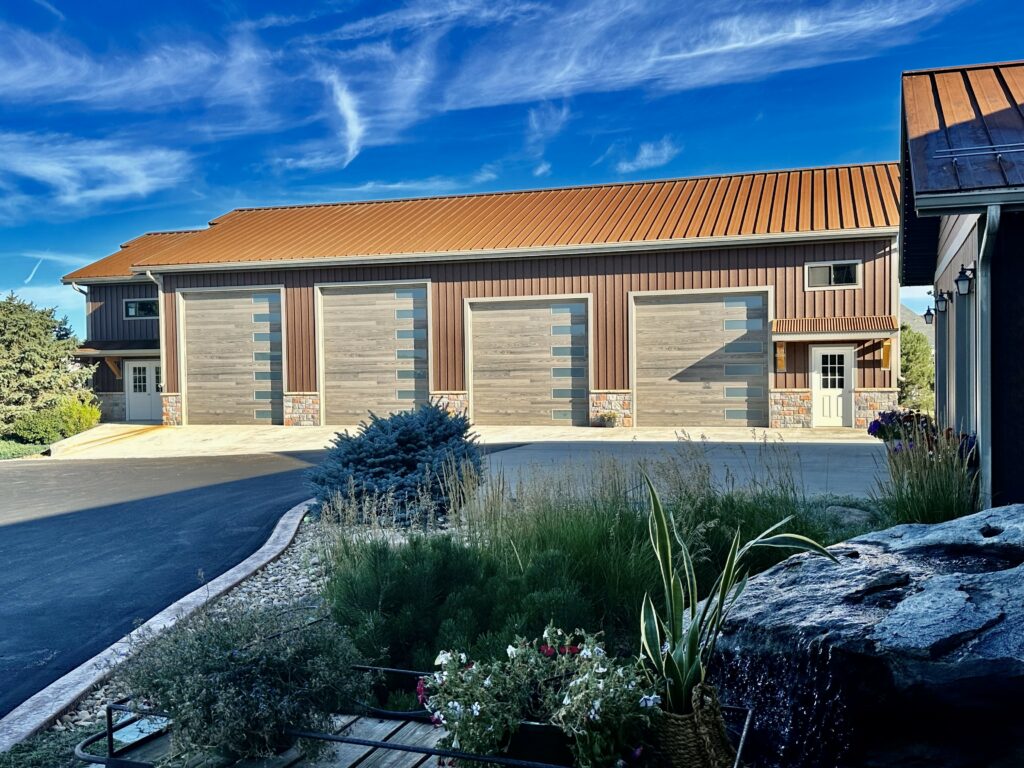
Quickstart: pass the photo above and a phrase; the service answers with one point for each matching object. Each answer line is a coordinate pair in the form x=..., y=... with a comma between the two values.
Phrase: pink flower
x=547, y=650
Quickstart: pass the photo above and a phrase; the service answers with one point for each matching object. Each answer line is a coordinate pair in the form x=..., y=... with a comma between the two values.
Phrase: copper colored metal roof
x=133, y=252
x=833, y=199
x=867, y=324
x=964, y=127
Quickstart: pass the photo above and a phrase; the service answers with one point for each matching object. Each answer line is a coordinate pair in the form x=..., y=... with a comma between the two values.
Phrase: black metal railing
x=114, y=757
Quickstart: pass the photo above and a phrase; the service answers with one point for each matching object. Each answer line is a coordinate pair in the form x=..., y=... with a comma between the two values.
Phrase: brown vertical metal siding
x=104, y=312
x=608, y=277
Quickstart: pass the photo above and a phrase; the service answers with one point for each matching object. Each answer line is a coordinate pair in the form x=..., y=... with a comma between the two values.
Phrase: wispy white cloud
x=610, y=45
x=50, y=8
x=76, y=175
x=650, y=154
x=542, y=169
x=425, y=15
x=487, y=172
x=352, y=128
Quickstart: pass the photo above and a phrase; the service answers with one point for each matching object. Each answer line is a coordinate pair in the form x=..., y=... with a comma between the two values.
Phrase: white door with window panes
x=832, y=373
x=143, y=384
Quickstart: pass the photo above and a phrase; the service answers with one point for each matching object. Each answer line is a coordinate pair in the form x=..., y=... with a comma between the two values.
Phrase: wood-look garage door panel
x=520, y=374
x=701, y=360
x=233, y=357
x=374, y=350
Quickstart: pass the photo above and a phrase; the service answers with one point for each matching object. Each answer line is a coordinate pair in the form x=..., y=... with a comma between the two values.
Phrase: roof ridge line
x=963, y=67
x=458, y=195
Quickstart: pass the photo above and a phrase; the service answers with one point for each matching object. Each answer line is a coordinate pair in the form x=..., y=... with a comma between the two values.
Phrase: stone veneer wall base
x=171, y=409
x=868, y=402
x=792, y=407
x=618, y=402
x=455, y=403
x=789, y=408
x=301, y=409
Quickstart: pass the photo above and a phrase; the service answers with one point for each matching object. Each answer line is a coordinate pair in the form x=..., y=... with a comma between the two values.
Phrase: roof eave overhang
x=836, y=336
x=973, y=201
x=133, y=278
x=86, y=352
x=695, y=243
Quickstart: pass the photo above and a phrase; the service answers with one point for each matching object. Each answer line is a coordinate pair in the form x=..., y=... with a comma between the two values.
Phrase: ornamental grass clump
x=932, y=476
x=234, y=682
x=565, y=681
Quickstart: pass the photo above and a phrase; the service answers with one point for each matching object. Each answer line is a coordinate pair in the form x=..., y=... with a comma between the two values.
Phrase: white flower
x=462, y=658
x=476, y=709
x=602, y=670
x=566, y=701
x=585, y=652
x=511, y=651
x=651, y=700
x=547, y=633
x=442, y=658
x=487, y=682
x=665, y=647
x=598, y=650
x=595, y=710
x=456, y=708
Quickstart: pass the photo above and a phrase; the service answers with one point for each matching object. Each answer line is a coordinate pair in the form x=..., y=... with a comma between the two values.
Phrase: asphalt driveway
x=90, y=548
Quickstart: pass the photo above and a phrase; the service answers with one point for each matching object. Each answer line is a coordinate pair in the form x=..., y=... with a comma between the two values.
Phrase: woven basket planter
x=697, y=740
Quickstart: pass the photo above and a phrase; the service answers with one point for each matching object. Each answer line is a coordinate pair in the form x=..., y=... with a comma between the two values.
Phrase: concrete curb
x=43, y=708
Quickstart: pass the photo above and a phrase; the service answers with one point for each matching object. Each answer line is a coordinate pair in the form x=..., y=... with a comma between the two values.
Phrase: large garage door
x=529, y=362
x=701, y=360
x=233, y=361
x=374, y=350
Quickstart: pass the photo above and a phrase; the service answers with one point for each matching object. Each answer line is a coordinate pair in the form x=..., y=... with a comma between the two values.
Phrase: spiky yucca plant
x=679, y=644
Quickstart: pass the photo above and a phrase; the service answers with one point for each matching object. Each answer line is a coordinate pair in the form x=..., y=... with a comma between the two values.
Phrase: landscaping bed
x=424, y=567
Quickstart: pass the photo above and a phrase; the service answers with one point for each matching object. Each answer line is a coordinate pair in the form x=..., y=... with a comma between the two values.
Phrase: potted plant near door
x=678, y=643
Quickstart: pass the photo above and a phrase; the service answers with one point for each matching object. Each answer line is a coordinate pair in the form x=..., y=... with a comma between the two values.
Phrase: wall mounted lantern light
x=942, y=301
x=964, y=280
x=929, y=316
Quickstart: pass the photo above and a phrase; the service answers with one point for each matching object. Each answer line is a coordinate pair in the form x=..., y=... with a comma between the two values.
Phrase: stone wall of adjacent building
x=452, y=402
x=617, y=402
x=171, y=409
x=112, y=406
x=301, y=409
x=868, y=402
x=789, y=408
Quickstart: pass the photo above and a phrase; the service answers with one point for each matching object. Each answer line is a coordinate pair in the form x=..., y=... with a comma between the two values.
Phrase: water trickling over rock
x=908, y=653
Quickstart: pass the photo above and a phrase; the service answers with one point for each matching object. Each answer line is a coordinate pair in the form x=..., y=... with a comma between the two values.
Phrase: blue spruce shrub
x=404, y=455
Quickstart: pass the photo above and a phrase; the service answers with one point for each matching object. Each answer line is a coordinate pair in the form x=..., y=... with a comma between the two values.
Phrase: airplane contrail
x=33, y=272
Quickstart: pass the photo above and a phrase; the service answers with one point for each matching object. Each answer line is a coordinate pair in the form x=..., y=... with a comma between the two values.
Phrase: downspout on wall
x=159, y=280
x=983, y=389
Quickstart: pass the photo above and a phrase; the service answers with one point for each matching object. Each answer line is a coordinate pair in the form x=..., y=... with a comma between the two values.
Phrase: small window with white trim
x=833, y=274
x=141, y=309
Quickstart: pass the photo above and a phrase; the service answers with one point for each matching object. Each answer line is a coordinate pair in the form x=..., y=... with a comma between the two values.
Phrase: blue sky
x=118, y=118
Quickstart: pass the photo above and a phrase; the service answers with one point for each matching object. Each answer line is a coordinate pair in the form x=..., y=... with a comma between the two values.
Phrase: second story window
x=836, y=274
x=140, y=309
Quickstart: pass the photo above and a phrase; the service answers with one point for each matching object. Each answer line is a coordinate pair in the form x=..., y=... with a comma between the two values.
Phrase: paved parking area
x=849, y=468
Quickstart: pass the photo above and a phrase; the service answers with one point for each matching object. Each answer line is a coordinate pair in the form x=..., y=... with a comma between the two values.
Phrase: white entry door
x=143, y=385
x=832, y=372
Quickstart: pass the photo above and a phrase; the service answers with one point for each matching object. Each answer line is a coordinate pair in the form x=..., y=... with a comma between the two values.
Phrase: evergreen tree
x=917, y=383
x=37, y=367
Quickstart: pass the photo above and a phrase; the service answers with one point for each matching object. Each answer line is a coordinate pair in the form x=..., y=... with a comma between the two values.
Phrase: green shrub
x=11, y=449
x=931, y=478
x=232, y=682
x=408, y=457
x=48, y=425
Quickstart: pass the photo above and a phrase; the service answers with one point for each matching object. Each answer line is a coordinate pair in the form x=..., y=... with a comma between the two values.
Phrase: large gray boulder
x=908, y=653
